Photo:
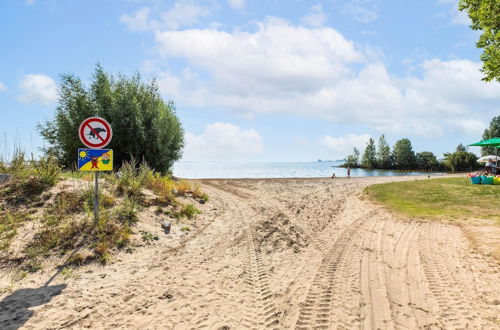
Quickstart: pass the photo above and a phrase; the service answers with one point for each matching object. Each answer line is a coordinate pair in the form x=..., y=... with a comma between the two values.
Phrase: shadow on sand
x=14, y=309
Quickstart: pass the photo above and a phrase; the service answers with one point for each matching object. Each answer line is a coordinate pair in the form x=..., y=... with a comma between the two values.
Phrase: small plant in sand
x=183, y=187
x=185, y=229
x=189, y=211
x=9, y=223
x=147, y=236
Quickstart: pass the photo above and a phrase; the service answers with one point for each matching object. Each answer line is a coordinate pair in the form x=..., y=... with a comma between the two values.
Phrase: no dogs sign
x=95, y=132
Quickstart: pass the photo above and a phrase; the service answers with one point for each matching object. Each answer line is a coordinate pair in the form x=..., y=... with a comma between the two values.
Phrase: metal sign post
x=96, y=199
x=95, y=133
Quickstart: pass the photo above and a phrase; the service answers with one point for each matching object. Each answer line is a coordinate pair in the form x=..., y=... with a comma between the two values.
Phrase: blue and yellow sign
x=95, y=160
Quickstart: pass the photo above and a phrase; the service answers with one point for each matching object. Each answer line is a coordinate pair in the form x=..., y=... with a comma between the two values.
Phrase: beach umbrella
x=484, y=159
x=494, y=142
x=487, y=143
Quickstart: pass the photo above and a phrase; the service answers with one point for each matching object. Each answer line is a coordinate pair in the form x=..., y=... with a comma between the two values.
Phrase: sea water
x=230, y=170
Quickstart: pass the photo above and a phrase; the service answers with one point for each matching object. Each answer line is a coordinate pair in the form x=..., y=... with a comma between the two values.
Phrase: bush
x=127, y=213
x=461, y=160
x=183, y=187
x=47, y=169
x=144, y=125
x=189, y=211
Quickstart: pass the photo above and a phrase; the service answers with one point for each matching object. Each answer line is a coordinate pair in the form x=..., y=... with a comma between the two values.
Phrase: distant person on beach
x=333, y=176
x=349, y=172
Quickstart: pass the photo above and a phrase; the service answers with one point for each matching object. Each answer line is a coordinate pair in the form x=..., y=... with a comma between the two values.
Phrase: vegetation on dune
x=66, y=225
x=447, y=198
x=144, y=126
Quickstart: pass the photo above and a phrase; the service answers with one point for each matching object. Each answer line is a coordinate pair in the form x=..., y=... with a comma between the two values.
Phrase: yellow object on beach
x=496, y=180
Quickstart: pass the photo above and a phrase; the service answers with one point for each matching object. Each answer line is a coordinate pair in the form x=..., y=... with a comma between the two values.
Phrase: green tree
x=144, y=126
x=384, y=158
x=403, y=155
x=485, y=16
x=461, y=148
x=353, y=159
x=460, y=160
x=369, y=159
x=491, y=132
x=426, y=160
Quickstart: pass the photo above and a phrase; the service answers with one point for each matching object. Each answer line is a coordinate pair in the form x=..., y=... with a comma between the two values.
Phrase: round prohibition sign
x=95, y=132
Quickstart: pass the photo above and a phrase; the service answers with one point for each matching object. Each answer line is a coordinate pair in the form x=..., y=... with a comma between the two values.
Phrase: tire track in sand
x=316, y=309
x=259, y=296
x=260, y=310
x=455, y=309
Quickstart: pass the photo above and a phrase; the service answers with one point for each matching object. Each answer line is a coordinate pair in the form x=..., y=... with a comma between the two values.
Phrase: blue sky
x=259, y=80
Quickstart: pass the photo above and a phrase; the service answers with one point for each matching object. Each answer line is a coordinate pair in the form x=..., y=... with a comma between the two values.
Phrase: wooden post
x=96, y=198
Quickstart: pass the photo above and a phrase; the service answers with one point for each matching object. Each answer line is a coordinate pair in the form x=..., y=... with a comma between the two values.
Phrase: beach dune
x=281, y=254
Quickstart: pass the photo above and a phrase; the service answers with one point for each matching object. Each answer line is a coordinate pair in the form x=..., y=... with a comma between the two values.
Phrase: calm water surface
x=230, y=170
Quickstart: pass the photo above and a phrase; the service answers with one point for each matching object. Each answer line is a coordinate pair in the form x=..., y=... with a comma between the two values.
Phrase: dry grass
x=66, y=225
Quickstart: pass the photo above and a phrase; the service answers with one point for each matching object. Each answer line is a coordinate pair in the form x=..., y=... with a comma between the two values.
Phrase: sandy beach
x=275, y=254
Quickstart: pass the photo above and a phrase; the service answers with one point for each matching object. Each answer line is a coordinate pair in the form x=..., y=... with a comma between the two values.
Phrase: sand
x=275, y=254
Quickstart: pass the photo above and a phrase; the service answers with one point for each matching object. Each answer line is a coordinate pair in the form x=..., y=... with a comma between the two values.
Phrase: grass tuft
x=9, y=223
x=189, y=211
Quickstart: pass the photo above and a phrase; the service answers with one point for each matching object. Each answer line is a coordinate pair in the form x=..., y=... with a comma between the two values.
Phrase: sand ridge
x=278, y=254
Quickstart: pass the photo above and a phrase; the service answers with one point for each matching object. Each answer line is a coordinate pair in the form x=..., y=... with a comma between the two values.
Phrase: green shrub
x=127, y=212
x=47, y=169
x=189, y=211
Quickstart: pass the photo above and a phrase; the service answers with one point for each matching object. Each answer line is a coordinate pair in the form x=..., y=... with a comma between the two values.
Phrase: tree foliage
x=384, y=158
x=353, y=159
x=404, y=157
x=485, y=16
x=491, y=132
x=144, y=126
x=460, y=160
x=426, y=160
x=460, y=148
x=369, y=159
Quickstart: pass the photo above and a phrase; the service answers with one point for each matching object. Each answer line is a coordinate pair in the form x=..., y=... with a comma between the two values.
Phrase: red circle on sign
x=96, y=126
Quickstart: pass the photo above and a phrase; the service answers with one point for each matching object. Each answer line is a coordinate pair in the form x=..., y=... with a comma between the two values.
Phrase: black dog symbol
x=96, y=130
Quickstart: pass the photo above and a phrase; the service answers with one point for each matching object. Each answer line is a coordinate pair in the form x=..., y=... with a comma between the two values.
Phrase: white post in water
x=96, y=198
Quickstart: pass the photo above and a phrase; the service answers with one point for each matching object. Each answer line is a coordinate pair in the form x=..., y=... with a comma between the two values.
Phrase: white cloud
x=138, y=21
x=223, y=141
x=316, y=18
x=361, y=10
x=183, y=13
x=37, y=89
x=236, y=4
x=455, y=16
x=3, y=88
x=470, y=127
x=321, y=74
x=342, y=146
x=267, y=63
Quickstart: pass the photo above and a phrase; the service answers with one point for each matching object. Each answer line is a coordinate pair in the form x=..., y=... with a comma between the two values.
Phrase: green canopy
x=485, y=143
x=494, y=142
